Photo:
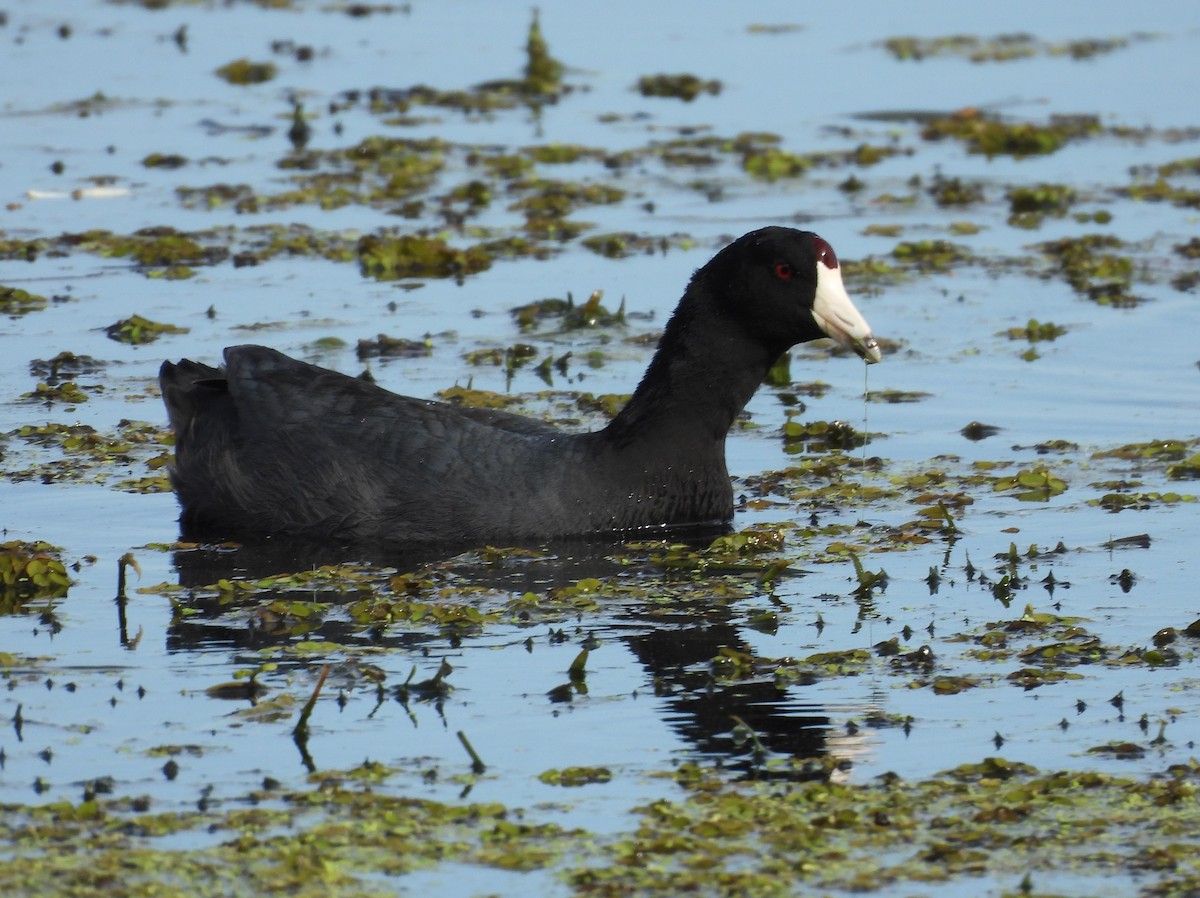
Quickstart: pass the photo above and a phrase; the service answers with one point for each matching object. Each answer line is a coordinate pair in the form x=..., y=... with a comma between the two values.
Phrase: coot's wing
x=275, y=444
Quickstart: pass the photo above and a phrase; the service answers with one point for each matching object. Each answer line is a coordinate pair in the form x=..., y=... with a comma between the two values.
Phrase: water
x=1118, y=376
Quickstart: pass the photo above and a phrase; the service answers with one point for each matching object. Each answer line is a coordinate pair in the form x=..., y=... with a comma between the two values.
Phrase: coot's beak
x=837, y=316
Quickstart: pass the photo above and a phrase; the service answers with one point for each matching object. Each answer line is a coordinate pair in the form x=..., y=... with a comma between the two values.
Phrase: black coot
x=269, y=445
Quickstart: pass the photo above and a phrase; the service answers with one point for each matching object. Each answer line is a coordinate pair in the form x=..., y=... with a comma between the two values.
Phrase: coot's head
x=785, y=286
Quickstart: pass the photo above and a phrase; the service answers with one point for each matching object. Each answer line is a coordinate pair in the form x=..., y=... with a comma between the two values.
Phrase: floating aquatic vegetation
x=388, y=258
x=575, y=776
x=1035, y=331
x=555, y=154
x=820, y=436
x=164, y=160
x=606, y=404
x=138, y=330
x=1188, y=469
x=1029, y=205
x=30, y=571
x=954, y=191
x=87, y=455
x=553, y=199
x=567, y=315
x=1035, y=485
x=1001, y=47
x=622, y=244
x=772, y=163
x=684, y=87
x=150, y=248
x=64, y=364
x=936, y=255
x=65, y=391
x=384, y=346
x=991, y=136
x=243, y=72
x=1153, y=450
x=872, y=275
x=1139, y=501
x=1040, y=198
x=894, y=397
x=477, y=398
x=1103, y=277
x=15, y=302
x=1160, y=189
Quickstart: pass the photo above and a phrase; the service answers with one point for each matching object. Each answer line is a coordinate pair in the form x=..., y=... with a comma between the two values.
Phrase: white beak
x=838, y=317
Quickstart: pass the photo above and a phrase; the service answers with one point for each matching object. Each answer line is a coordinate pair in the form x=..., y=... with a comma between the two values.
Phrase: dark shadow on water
x=739, y=725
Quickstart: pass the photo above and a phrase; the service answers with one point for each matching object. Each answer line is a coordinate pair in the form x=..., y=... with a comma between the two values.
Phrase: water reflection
x=746, y=724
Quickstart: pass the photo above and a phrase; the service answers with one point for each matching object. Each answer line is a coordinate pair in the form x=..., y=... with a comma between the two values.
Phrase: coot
x=269, y=445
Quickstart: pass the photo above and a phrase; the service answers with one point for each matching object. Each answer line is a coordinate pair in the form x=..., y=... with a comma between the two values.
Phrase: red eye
x=824, y=252
x=784, y=271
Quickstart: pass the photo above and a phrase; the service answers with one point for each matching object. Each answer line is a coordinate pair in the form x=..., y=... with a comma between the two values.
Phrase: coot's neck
x=703, y=373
